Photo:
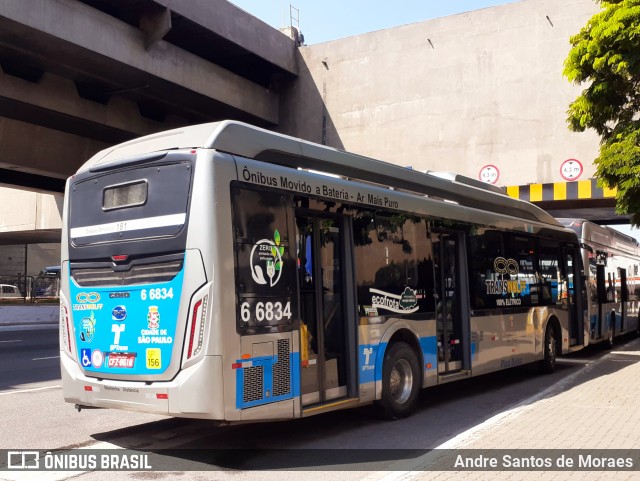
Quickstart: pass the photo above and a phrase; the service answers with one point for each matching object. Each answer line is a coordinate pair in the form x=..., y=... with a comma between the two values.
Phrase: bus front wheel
x=400, y=381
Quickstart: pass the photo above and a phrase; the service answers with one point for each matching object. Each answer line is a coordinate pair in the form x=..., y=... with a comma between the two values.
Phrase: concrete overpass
x=79, y=75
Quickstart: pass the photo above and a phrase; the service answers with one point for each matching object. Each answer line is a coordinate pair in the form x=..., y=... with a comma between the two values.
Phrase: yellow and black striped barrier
x=559, y=191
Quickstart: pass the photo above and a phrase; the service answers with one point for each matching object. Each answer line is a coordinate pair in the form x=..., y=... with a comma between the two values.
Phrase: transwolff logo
x=88, y=301
x=91, y=297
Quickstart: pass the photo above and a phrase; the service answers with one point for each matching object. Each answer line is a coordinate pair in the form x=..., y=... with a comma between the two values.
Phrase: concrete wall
x=13, y=261
x=40, y=256
x=455, y=93
x=29, y=214
x=27, y=259
x=22, y=210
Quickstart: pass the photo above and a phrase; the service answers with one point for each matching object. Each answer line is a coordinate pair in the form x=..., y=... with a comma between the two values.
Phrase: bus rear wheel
x=548, y=363
x=400, y=381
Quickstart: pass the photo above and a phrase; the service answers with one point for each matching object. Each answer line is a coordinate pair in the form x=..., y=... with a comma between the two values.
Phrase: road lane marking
x=12, y=340
x=30, y=390
x=41, y=358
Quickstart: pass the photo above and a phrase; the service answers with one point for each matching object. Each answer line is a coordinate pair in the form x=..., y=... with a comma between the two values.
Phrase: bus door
x=327, y=308
x=575, y=294
x=601, y=295
x=624, y=298
x=452, y=302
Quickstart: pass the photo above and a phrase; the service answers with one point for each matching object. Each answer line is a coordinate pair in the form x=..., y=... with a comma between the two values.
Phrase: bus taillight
x=66, y=331
x=196, y=333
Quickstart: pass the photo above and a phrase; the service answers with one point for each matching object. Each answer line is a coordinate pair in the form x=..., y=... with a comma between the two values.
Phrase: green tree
x=606, y=54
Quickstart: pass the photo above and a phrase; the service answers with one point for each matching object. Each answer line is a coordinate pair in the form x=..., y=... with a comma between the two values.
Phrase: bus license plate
x=117, y=359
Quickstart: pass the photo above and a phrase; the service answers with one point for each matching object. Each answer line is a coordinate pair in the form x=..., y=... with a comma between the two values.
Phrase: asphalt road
x=28, y=357
x=34, y=416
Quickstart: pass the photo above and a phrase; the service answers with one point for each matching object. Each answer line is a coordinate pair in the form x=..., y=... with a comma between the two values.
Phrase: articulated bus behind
x=612, y=261
x=214, y=272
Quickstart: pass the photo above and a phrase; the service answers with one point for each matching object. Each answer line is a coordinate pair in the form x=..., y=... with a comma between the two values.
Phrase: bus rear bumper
x=192, y=393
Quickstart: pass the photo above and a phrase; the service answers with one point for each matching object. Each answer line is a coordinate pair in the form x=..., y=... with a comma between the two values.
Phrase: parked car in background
x=8, y=291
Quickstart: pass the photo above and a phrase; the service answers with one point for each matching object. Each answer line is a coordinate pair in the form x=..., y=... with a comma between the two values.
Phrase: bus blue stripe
x=370, y=359
x=267, y=364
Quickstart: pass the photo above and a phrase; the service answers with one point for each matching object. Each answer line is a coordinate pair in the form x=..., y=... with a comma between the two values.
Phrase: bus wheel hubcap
x=401, y=381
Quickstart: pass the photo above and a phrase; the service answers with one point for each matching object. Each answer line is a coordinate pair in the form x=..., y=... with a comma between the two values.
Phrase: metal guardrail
x=29, y=289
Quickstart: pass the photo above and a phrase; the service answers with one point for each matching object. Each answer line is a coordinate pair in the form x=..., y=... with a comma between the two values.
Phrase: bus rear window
x=148, y=201
x=127, y=195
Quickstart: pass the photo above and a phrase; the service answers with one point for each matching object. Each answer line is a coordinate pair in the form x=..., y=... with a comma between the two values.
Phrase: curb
x=28, y=327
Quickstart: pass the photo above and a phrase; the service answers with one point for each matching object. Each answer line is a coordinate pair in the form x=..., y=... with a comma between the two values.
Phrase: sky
x=325, y=20
x=627, y=229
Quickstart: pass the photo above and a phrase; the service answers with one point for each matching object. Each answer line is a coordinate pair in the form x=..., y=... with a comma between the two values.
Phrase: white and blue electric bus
x=226, y=272
x=613, y=281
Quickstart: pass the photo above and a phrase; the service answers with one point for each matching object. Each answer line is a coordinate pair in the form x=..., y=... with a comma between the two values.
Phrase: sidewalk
x=598, y=407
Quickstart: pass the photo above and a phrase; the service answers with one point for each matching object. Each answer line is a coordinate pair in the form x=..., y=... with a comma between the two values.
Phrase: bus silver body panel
x=140, y=396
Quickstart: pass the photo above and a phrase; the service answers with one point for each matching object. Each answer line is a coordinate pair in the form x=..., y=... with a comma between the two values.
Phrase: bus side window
x=610, y=287
x=485, y=247
x=392, y=253
x=522, y=250
x=548, y=269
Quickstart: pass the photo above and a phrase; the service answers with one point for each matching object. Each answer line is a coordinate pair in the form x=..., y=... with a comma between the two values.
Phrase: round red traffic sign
x=489, y=174
x=571, y=169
